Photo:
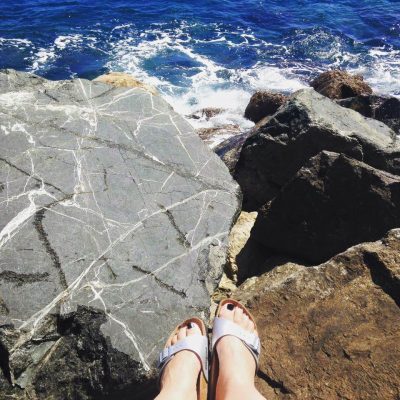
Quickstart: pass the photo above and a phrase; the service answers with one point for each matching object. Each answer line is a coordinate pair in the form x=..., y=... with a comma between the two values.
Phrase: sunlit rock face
x=114, y=218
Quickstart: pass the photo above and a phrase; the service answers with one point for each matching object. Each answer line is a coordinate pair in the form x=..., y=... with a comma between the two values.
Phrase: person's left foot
x=179, y=378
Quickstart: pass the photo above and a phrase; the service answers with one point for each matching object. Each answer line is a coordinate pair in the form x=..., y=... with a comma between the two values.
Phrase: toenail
x=230, y=307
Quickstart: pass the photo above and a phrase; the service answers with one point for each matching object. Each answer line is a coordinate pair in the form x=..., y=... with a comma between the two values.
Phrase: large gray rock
x=114, y=221
x=332, y=203
x=306, y=125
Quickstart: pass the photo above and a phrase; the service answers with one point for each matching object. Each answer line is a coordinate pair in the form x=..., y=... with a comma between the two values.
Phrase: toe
x=182, y=332
x=227, y=311
x=238, y=314
x=193, y=329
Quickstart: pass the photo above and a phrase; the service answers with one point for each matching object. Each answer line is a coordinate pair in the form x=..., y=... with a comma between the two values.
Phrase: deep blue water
x=205, y=52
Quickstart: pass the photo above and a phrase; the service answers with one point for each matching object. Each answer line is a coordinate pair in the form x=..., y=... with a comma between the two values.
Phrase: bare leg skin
x=236, y=365
x=179, y=378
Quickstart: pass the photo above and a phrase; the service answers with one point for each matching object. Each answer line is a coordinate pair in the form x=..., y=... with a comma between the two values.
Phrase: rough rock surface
x=229, y=149
x=385, y=109
x=215, y=135
x=340, y=85
x=306, y=125
x=332, y=203
x=113, y=227
x=332, y=331
x=263, y=104
x=206, y=113
x=122, y=79
x=238, y=237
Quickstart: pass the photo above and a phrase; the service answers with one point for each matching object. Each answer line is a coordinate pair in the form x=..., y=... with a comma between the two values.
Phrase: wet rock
x=340, y=85
x=385, y=109
x=206, y=113
x=124, y=80
x=332, y=331
x=229, y=150
x=263, y=104
x=332, y=203
x=306, y=125
x=215, y=135
x=114, y=222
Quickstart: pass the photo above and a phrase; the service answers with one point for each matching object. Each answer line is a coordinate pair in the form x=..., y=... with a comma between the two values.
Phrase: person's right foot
x=180, y=375
x=237, y=366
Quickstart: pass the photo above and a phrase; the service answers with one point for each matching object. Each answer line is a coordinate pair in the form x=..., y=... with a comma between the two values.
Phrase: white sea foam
x=43, y=57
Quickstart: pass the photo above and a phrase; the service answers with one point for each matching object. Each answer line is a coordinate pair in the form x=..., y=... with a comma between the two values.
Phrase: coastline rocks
x=331, y=331
x=263, y=104
x=206, y=113
x=385, y=109
x=340, y=85
x=229, y=149
x=114, y=220
x=215, y=135
x=307, y=124
x=124, y=80
x=332, y=203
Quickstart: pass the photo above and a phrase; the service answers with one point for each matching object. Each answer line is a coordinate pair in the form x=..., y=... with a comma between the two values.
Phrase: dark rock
x=332, y=203
x=229, y=149
x=340, y=85
x=385, y=109
x=114, y=221
x=332, y=331
x=263, y=104
x=306, y=125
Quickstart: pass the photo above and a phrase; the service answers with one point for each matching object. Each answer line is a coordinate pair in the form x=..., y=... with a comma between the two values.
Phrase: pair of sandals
x=198, y=344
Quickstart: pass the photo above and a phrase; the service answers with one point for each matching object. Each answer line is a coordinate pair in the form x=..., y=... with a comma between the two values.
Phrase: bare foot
x=237, y=366
x=179, y=378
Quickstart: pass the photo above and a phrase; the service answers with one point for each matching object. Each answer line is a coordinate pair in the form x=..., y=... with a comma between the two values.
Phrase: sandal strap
x=224, y=327
x=197, y=344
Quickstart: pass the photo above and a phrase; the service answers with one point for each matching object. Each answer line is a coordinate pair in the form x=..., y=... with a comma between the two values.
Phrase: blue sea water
x=203, y=53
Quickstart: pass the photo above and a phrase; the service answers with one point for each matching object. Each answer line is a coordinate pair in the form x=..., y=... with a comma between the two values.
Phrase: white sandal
x=197, y=344
x=223, y=327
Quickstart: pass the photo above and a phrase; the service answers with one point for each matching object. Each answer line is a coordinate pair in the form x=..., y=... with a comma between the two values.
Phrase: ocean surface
x=205, y=53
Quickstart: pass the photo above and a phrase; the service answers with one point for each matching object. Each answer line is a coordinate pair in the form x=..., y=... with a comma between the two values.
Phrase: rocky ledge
x=114, y=223
x=320, y=173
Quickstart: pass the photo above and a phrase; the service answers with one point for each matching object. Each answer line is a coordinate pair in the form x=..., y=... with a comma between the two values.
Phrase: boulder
x=113, y=228
x=385, y=109
x=263, y=104
x=331, y=331
x=332, y=203
x=340, y=85
x=124, y=80
x=306, y=125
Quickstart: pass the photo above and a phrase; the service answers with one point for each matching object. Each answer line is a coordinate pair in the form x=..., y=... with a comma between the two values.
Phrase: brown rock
x=238, y=237
x=332, y=203
x=263, y=104
x=332, y=331
x=121, y=79
x=340, y=85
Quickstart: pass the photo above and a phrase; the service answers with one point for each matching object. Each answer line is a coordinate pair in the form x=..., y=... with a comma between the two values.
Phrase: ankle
x=176, y=393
